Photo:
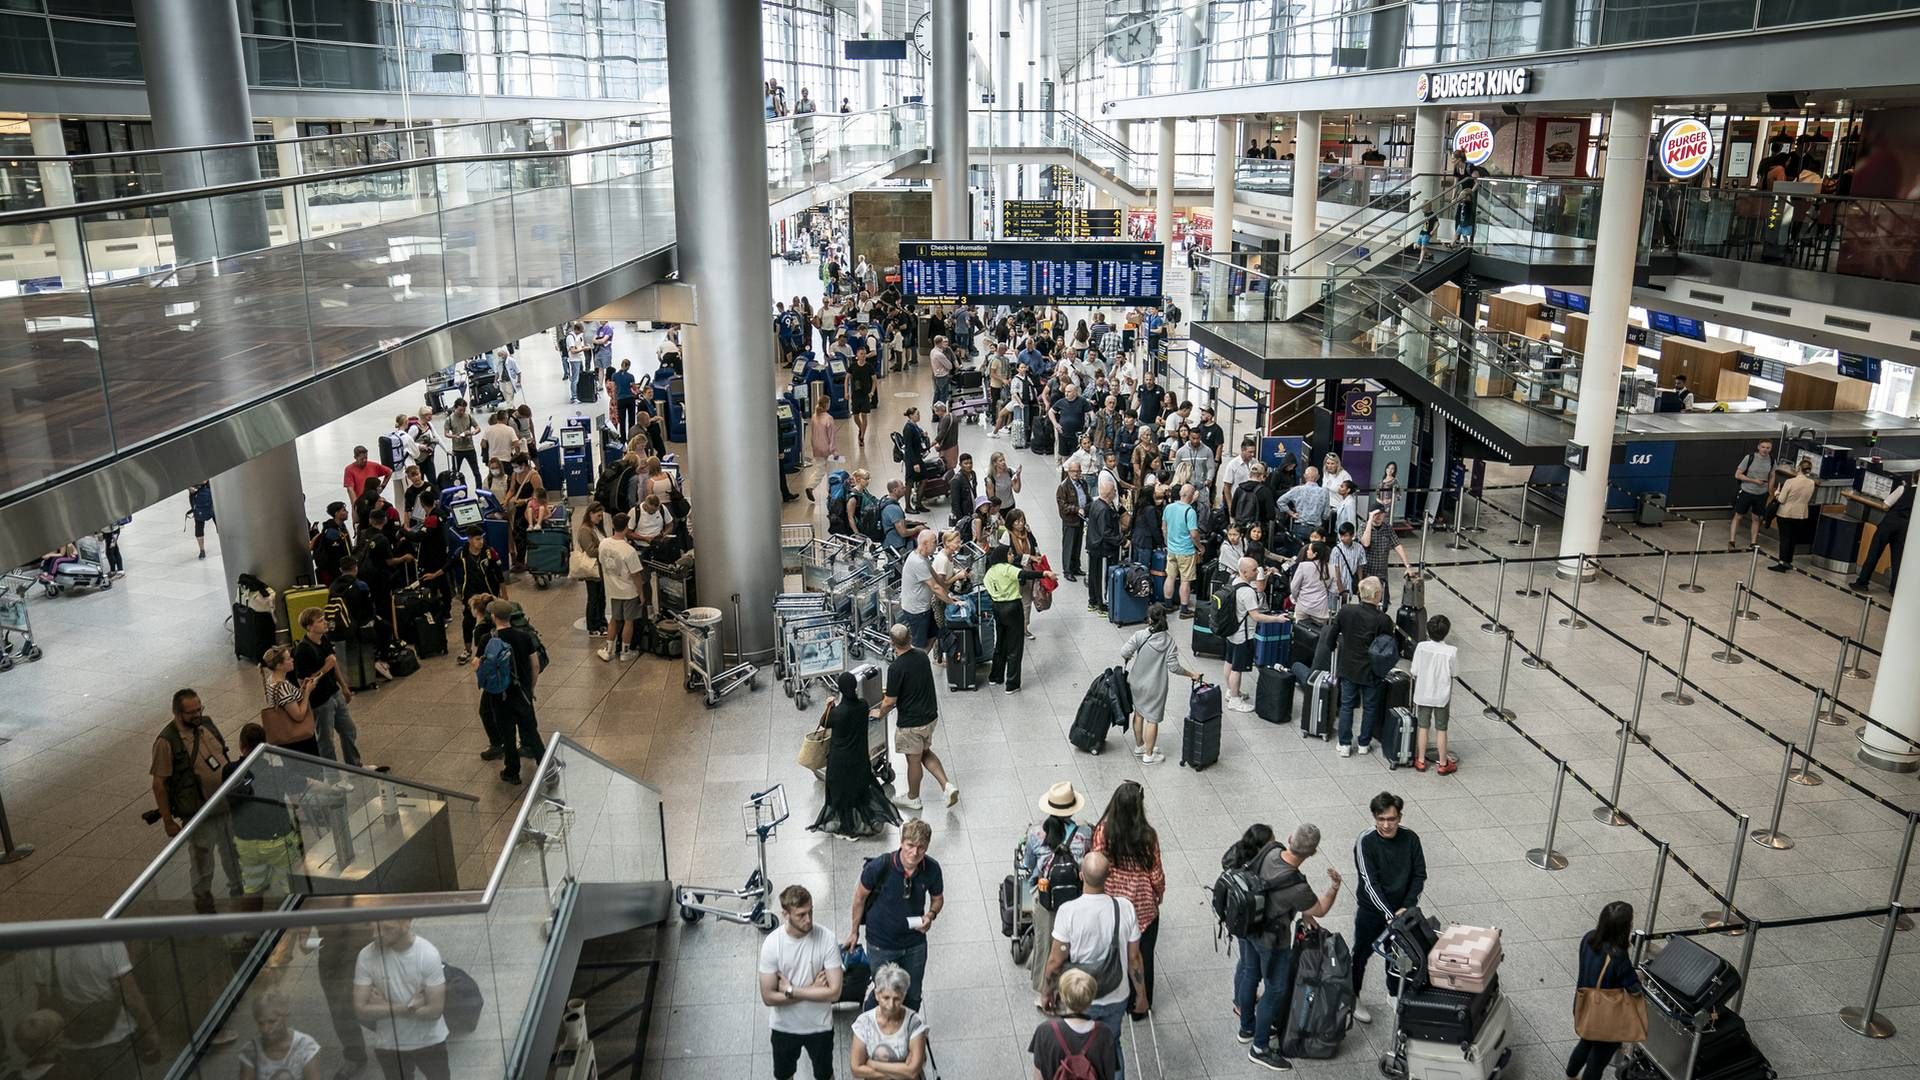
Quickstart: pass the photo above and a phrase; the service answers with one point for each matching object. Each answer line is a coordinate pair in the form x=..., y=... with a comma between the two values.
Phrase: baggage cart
x=763, y=814
x=813, y=652
x=16, y=627
x=967, y=395
x=548, y=548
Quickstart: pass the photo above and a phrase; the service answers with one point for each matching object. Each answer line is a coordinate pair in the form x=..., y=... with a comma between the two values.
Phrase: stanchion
x=1854, y=670
x=1572, y=620
x=1538, y=661
x=1753, y=564
x=1771, y=836
x=1900, y=876
x=1533, y=560
x=1458, y=543
x=1693, y=577
x=10, y=851
x=1426, y=522
x=1749, y=929
x=1804, y=775
x=1499, y=711
x=1832, y=717
x=1724, y=917
x=1728, y=655
x=1659, y=596
x=1661, y=848
x=1492, y=625
x=1520, y=524
x=1864, y=1021
x=1609, y=814
x=1678, y=695
x=1475, y=525
x=1545, y=857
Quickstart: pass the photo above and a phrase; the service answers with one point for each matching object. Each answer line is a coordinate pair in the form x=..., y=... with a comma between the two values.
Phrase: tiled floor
x=79, y=722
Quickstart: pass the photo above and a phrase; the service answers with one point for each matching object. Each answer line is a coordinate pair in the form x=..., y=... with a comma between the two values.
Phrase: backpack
x=495, y=674
x=464, y=1001
x=870, y=511
x=1240, y=898
x=1074, y=1065
x=1247, y=500
x=611, y=490
x=899, y=447
x=1223, y=608
x=1063, y=875
x=1383, y=654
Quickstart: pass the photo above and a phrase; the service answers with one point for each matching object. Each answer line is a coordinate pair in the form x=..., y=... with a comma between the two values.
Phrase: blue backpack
x=496, y=667
x=1383, y=654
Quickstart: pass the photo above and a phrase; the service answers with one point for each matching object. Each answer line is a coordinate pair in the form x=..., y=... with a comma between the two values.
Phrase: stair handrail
x=1374, y=211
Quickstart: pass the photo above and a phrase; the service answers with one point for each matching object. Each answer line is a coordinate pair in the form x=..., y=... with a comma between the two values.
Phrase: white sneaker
x=606, y=653
x=1240, y=704
x=1346, y=751
x=1361, y=1014
x=906, y=803
x=1366, y=748
x=1137, y=750
x=1154, y=758
x=953, y=794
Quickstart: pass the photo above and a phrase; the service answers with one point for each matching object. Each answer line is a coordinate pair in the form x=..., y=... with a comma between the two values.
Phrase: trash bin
x=698, y=627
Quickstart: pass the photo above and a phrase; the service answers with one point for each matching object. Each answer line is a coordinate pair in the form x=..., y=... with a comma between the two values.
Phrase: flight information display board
x=1036, y=272
x=1046, y=219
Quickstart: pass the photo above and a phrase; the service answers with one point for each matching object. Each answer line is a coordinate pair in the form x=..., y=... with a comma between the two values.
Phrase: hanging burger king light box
x=1475, y=140
x=1686, y=146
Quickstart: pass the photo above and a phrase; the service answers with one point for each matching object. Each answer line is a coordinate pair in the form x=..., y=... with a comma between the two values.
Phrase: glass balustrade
x=1872, y=238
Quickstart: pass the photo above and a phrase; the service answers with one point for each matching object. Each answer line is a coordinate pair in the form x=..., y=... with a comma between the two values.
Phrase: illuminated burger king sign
x=1475, y=140
x=1685, y=148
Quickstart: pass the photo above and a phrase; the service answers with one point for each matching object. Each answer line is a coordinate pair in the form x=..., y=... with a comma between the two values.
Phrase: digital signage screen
x=1046, y=219
x=1855, y=366
x=1677, y=325
x=1030, y=272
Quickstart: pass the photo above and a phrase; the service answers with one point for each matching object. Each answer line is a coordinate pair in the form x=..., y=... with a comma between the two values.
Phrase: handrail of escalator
x=1375, y=210
x=1442, y=204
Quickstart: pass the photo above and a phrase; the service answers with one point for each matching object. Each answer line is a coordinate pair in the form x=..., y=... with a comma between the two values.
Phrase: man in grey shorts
x=1752, y=474
x=624, y=577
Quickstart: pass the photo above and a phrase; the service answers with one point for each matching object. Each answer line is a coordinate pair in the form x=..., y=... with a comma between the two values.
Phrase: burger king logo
x=1475, y=140
x=1421, y=86
x=1686, y=146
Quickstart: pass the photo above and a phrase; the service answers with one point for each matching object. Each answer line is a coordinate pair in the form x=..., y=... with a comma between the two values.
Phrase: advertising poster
x=1562, y=147
x=1395, y=427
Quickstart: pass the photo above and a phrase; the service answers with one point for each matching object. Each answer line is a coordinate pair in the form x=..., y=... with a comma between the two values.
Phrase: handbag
x=282, y=729
x=1614, y=1016
x=583, y=567
x=813, y=749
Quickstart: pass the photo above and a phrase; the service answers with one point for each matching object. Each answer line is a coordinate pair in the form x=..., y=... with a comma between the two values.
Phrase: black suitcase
x=253, y=633
x=587, y=386
x=1208, y=644
x=1273, y=696
x=1694, y=977
x=1398, y=692
x=1728, y=1053
x=1409, y=937
x=426, y=633
x=1306, y=641
x=1040, y=434
x=402, y=661
x=1396, y=737
x=1411, y=621
x=963, y=666
x=1432, y=1014
x=1200, y=736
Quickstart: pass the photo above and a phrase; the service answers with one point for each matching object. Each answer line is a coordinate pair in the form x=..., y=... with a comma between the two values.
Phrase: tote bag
x=1609, y=1015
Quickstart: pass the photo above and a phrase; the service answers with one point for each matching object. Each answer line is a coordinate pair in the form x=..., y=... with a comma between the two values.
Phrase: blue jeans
x=1113, y=1016
x=572, y=369
x=913, y=959
x=1371, y=696
x=940, y=387
x=1262, y=972
x=333, y=717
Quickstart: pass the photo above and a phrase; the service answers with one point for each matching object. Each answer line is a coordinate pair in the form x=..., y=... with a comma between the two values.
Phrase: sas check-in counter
x=1850, y=500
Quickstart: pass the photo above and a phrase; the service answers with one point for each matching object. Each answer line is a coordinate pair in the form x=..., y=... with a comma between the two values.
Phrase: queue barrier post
x=1832, y=716
x=1533, y=560
x=1660, y=596
x=1678, y=695
x=1864, y=1020
x=1692, y=584
x=1499, y=711
x=1753, y=564
x=1572, y=620
x=1660, y=852
x=1729, y=655
x=1804, y=775
x=1899, y=880
x=1492, y=625
x=1544, y=856
x=1538, y=661
x=1854, y=670
x=1771, y=836
x=1724, y=917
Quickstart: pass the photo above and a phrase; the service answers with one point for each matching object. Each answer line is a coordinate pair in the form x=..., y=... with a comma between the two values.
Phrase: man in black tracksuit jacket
x=1393, y=870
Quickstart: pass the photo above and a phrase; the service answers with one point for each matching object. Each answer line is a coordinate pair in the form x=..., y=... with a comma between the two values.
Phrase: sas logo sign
x=1475, y=140
x=1686, y=146
x=1639, y=459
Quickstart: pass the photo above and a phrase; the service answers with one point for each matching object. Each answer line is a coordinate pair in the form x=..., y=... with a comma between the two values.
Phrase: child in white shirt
x=1432, y=692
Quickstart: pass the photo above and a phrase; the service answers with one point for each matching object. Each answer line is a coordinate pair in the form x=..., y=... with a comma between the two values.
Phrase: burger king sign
x=1686, y=146
x=1475, y=140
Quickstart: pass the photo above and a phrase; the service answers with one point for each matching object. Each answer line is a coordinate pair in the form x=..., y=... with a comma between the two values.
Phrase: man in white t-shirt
x=1084, y=931
x=621, y=575
x=400, y=996
x=800, y=976
x=93, y=986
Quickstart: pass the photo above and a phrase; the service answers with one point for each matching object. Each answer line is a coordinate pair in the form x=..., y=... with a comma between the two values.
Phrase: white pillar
x=1163, y=197
x=1226, y=155
x=286, y=155
x=952, y=209
x=56, y=189
x=1896, y=687
x=1305, y=209
x=1429, y=148
x=1006, y=98
x=1617, y=239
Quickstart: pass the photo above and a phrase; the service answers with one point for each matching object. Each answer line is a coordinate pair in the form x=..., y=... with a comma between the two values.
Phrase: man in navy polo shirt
x=897, y=900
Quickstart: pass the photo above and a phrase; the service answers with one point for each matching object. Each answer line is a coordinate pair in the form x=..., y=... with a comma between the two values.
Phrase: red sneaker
x=1448, y=768
x=1420, y=764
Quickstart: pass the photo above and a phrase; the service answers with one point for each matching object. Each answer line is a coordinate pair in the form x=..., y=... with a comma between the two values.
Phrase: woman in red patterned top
x=1133, y=848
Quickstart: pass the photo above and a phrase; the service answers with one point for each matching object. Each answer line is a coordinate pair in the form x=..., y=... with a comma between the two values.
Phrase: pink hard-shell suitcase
x=1466, y=958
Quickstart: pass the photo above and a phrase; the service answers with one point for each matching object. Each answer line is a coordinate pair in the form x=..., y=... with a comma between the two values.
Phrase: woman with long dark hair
x=1604, y=964
x=1005, y=583
x=1057, y=835
x=855, y=806
x=1132, y=848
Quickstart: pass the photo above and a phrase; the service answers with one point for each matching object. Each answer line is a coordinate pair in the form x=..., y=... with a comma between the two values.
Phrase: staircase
x=1378, y=241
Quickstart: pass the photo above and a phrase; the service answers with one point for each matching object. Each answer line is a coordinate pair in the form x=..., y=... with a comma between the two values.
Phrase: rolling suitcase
x=1271, y=642
x=547, y=552
x=963, y=667
x=1088, y=733
x=1465, y=958
x=1273, y=695
x=1450, y=1017
x=1123, y=608
x=1396, y=738
x=1200, y=735
x=1481, y=1059
x=1411, y=621
x=1318, y=711
x=586, y=385
x=1306, y=641
x=299, y=601
x=1208, y=644
x=253, y=633
x=1695, y=977
x=1398, y=690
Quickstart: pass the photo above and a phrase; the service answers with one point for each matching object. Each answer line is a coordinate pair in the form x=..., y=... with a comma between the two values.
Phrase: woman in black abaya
x=855, y=804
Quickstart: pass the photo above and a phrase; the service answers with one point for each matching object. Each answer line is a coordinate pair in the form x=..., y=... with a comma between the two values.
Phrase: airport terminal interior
x=491, y=586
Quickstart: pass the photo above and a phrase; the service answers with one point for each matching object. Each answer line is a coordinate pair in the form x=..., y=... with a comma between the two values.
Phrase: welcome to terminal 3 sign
x=1473, y=83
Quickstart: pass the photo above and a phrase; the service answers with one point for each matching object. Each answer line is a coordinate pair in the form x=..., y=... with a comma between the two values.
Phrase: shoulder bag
x=1609, y=1015
x=813, y=749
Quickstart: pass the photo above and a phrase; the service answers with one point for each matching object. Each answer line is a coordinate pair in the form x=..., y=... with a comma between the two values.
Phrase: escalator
x=302, y=878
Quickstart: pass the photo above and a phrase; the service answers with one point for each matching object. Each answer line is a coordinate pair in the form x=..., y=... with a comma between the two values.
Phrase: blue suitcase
x=1271, y=643
x=1123, y=609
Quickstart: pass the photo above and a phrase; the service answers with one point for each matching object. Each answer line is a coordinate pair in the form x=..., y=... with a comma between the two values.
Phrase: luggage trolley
x=1674, y=1039
x=1393, y=1064
x=701, y=656
x=1019, y=907
x=762, y=813
x=967, y=395
x=815, y=653
x=16, y=629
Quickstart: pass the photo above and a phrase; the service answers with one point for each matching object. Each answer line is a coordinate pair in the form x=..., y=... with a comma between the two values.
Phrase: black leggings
x=429, y=1061
x=1010, y=642
x=1147, y=938
x=1591, y=1056
x=472, y=461
x=627, y=408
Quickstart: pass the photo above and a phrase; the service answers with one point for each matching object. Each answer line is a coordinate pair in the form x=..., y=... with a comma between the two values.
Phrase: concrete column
x=1616, y=241
x=1305, y=209
x=1191, y=24
x=1226, y=155
x=720, y=206
x=1006, y=99
x=262, y=519
x=1163, y=198
x=56, y=189
x=1896, y=687
x=952, y=209
x=1429, y=149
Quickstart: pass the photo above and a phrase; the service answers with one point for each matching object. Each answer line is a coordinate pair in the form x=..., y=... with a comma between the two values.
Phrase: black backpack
x=1240, y=898
x=1062, y=877
x=1223, y=609
x=1247, y=502
x=870, y=511
x=611, y=490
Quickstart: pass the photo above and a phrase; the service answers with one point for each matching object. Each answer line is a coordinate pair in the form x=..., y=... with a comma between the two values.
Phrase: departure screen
x=1019, y=272
x=1048, y=219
